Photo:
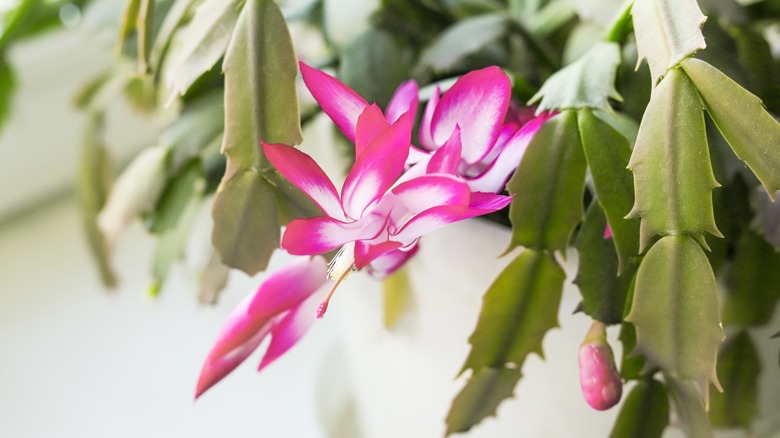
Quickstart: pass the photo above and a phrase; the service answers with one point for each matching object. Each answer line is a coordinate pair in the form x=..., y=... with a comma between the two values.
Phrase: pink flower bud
x=600, y=381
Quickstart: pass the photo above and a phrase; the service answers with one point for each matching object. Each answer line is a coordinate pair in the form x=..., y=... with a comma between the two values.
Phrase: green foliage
x=673, y=176
x=689, y=406
x=463, y=38
x=480, y=398
x=738, y=367
x=675, y=311
x=548, y=186
x=397, y=296
x=645, y=412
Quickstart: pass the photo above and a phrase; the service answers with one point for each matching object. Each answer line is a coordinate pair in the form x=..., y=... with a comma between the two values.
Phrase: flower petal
x=421, y=193
x=447, y=157
x=385, y=265
x=342, y=104
x=370, y=124
x=477, y=103
x=495, y=176
x=404, y=101
x=377, y=168
x=289, y=287
x=291, y=328
x=303, y=172
x=426, y=133
x=322, y=234
x=366, y=253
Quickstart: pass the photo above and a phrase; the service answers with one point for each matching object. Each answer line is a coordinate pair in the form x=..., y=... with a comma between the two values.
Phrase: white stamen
x=343, y=261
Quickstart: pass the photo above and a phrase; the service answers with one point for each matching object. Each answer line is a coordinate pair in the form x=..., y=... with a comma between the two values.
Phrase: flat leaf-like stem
x=667, y=31
x=750, y=130
x=690, y=407
x=480, y=398
x=645, y=413
x=548, y=186
x=675, y=311
x=673, y=178
x=517, y=311
x=739, y=367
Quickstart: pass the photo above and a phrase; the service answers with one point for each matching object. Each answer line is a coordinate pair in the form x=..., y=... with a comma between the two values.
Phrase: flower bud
x=600, y=381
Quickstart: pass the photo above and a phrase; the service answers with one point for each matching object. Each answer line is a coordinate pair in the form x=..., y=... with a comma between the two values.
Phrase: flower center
x=338, y=269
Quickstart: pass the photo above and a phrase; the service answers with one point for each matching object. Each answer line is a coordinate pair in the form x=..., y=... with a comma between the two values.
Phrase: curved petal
x=341, y=103
x=385, y=265
x=426, y=133
x=377, y=168
x=370, y=124
x=404, y=101
x=289, y=287
x=303, y=172
x=484, y=203
x=291, y=328
x=366, y=253
x=495, y=176
x=322, y=234
x=447, y=157
x=424, y=192
x=477, y=102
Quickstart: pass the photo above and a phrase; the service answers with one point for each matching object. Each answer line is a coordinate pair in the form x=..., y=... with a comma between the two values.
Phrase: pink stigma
x=321, y=309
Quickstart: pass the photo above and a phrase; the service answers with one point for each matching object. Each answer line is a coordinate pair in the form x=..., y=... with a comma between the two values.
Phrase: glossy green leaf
x=673, y=177
x=739, y=367
x=675, y=311
x=373, y=64
x=94, y=185
x=607, y=153
x=667, y=31
x=689, y=406
x=479, y=399
x=202, y=43
x=185, y=184
x=548, y=186
x=7, y=85
x=517, y=311
x=462, y=39
x=292, y=202
x=144, y=26
x=588, y=82
x=213, y=280
x=246, y=224
x=397, y=296
x=752, y=282
x=603, y=291
x=645, y=412
x=750, y=130
x=260, y=95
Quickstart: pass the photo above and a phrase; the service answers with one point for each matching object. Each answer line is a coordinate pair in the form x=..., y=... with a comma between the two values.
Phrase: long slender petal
x=387, y=264
x=427, y=191
x=495, y=176
x=370, y=124
x=426, y=133
x=404, y=101
x=377, y=168
x=303, y=172
x=477, y=103
x=289, y=287
x=366, y=253
x=342, y=104
x=447, y=157
x=322, y=234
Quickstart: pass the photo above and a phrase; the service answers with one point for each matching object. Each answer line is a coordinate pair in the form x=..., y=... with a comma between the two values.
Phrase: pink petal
x=291, y=328
x=484, y=203
x=607, y=232
x=370, y=124
x=426, y=133
x=289, y=287
x=422, y=193
x=447, y=157
x=366, y=253
x=377, y=168
x=340, y=103
x=477, y=103
x=322, y=234
x=385, y=265
x=494, y=178
x=404, y=101
x=303, y=172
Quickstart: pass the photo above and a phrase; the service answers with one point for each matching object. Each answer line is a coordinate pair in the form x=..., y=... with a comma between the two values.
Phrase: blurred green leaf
x=94, y=185
x=145, y=26
x=517, y=311
x=667, y=31
x=173, y=20
x=603, y=291
x=548, y=186
x=760, y=66
x=246, y=223
x=141, y=92
x=260, y=95
x=479, y=399
x=767, y=217
x=675, y=311
x=645, y=412
x=588, y=82
x=631, y=365
x=461, y=39
x=202, y=43
x=7, y=85
x=373, y=64
x=608, y=153
x=197, y=126
x=739, y=367
x=752, y=282
x=213, y=280
x=750, y=130
x=397, y=295
x=673, y=177
x=128, y=22
x=184, y=185
x=689, y=407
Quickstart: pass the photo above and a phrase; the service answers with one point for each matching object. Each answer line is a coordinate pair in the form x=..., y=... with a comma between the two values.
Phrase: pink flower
x=600, y=381
x=282, y=307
